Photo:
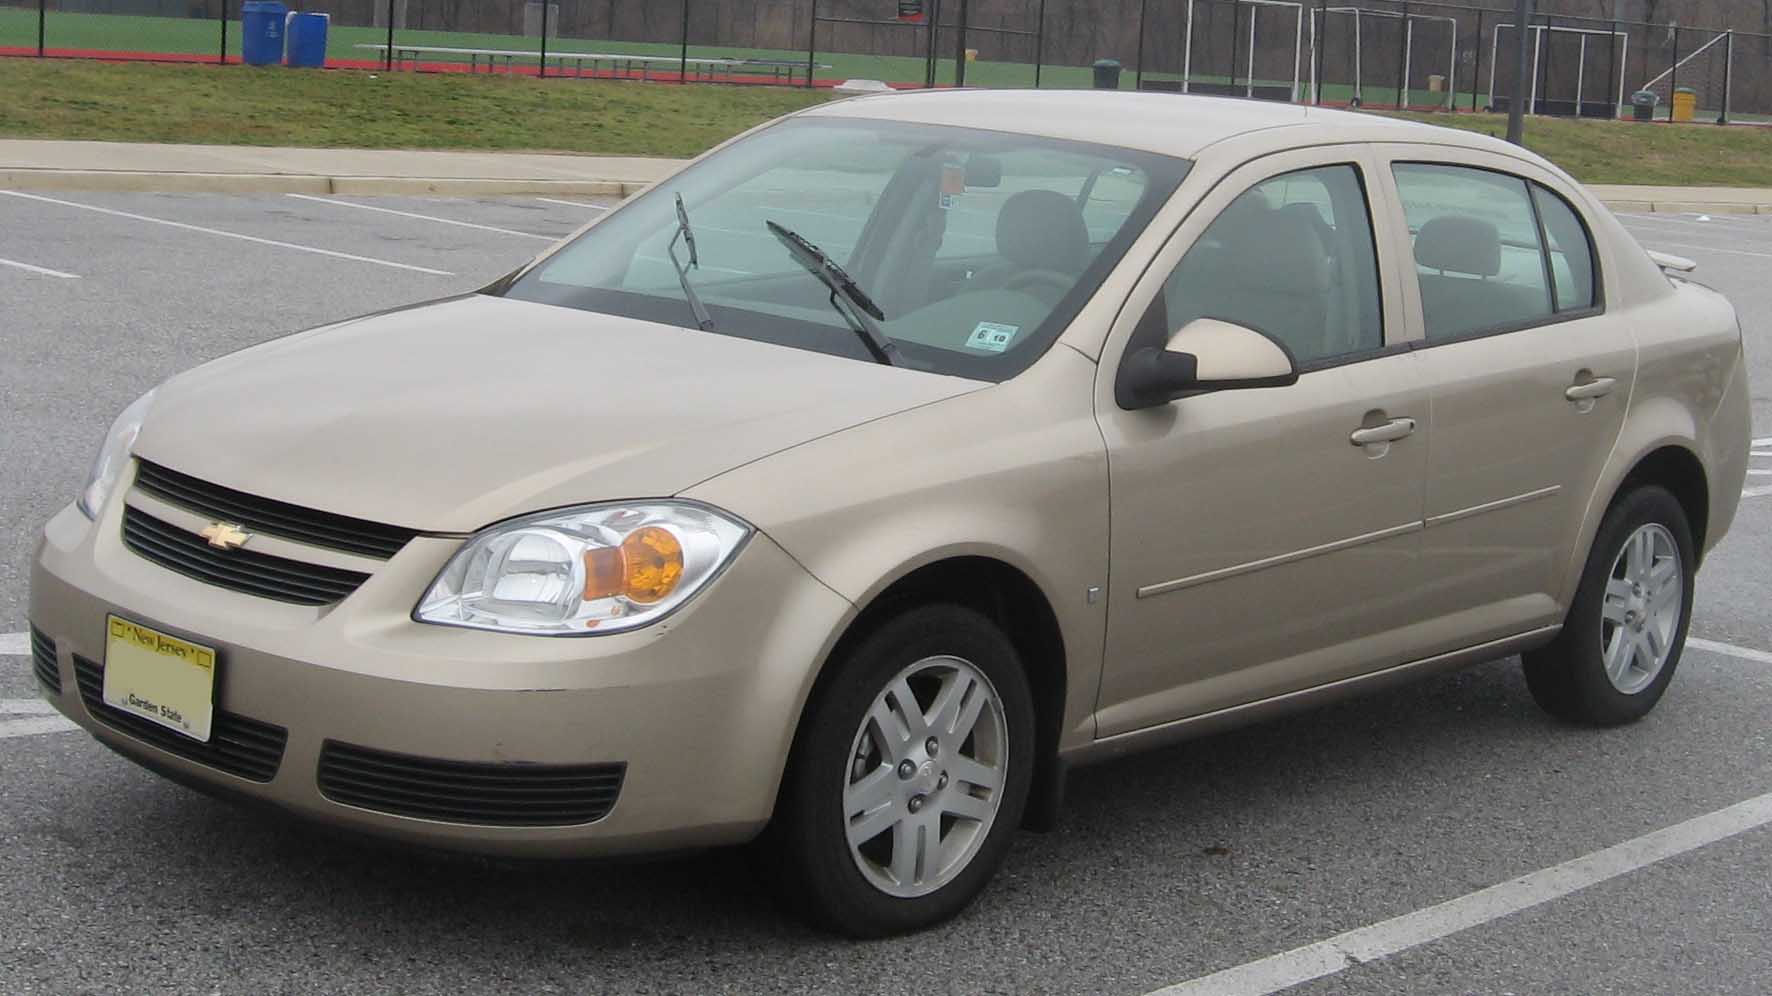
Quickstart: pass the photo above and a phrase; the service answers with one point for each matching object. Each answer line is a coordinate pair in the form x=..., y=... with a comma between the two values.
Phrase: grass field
x=1628, y=152
x=240, y=105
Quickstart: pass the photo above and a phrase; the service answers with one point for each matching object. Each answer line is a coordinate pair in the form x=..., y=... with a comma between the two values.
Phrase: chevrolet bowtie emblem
x=225, y=536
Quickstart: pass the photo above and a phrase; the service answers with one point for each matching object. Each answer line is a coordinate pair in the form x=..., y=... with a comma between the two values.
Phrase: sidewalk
x=34, y=164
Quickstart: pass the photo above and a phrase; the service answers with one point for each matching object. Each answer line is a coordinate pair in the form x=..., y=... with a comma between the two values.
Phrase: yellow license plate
x=160, y=678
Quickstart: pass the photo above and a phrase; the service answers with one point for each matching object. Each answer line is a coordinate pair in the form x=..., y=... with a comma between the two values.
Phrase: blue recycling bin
x=306, y=47
x=261, y=32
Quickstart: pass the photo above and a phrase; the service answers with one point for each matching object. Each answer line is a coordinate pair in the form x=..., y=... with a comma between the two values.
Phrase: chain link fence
x=1417, y=54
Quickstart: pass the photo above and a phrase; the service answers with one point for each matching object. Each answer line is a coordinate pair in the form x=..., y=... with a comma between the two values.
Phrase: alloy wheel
x=1640, y=612
x=925, y=776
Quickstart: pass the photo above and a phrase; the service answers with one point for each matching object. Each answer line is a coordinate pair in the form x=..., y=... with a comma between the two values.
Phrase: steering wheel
x=1027, y=280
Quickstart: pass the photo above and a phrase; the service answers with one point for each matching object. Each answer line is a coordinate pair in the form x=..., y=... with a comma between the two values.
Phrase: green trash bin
x=1642, y=105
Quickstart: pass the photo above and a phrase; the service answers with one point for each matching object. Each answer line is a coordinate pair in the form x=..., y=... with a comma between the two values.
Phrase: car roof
x=1172, y=124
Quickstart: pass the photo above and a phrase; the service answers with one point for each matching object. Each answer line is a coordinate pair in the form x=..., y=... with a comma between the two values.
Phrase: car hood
x=447, y=416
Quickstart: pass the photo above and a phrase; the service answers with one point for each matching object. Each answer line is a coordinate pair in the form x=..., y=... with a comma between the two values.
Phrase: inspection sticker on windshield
x=991, y=337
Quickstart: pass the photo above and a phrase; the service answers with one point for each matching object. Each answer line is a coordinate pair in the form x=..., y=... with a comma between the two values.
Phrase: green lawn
x=252, y=106
x=273, y=106
x=1629, y=152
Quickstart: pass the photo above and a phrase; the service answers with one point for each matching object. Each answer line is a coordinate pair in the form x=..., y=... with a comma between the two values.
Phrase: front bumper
x=701, y=707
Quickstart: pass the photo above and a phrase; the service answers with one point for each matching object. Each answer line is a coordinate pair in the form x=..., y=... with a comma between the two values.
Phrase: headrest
x=1459, y=245
x=1276, y=251
x=1043, y=230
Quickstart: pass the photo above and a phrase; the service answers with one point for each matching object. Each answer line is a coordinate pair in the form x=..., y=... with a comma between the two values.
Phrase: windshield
x=977, y=247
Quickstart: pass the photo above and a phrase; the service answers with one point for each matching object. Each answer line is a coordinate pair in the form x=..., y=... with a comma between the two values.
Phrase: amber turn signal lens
x=646, y=567
x=654, y=561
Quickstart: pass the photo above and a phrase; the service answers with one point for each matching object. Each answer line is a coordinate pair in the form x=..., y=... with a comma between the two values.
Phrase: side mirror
x=1207, y=354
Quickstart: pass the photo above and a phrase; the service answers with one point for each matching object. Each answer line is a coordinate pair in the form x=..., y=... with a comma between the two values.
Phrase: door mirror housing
x=1206, y=354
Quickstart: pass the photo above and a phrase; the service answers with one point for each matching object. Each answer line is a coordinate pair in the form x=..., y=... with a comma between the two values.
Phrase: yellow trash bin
x=1685, y=104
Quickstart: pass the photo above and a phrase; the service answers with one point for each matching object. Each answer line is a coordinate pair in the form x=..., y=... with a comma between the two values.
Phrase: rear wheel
x=909, y=777
x=1627, y=625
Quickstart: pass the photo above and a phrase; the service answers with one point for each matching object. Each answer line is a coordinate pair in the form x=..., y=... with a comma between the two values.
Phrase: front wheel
x=1627, y=624
x=909, y=776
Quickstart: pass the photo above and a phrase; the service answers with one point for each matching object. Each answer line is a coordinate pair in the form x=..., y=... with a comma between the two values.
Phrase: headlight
x=112, y=455
x=583, y=571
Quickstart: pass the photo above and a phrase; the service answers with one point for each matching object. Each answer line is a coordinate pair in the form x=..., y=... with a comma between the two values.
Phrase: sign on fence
x=910, y=11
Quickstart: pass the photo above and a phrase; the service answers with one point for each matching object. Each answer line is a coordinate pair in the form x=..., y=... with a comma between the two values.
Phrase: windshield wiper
x=862, y=314
x=702, y=318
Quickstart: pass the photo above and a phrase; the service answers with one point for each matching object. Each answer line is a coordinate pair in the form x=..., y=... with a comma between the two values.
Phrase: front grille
x=237, y=745
x=512, y=795
x=262, y=515
x=239, y=570
x=43, y=661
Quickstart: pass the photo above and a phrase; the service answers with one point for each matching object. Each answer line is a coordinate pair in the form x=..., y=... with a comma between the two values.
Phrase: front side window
x=977, y=247
x=1479, y=255
x=1291, y=257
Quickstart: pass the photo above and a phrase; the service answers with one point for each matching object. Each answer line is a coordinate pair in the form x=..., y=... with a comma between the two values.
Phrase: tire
x=1621, y=618
x=842, y=761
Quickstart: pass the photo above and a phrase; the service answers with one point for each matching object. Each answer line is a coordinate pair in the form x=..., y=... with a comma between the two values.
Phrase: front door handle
x=1389, y=432
x=1588, y=390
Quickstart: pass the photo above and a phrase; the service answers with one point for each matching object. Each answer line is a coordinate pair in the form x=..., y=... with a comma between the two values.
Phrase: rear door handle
x=1389, y=432
x=1599, y=387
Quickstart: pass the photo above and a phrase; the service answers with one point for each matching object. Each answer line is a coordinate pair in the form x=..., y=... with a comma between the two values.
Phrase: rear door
x=1529, y=374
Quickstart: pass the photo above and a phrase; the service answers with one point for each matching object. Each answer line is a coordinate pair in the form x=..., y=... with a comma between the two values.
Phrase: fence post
x=1728, y=74
x=221, y=57
x=542, y=72
x=1673, y=74
x=1319, y=41
x=1403, y=59
x=1138, y=70
x=1039, y=43
x=964, y=15
x=811, y=43
x=389, y=54
x=1612, y=68
x=1236, y=39
x=683, y=51
x=931, y=57
x=1477, y=63
x=42, y=11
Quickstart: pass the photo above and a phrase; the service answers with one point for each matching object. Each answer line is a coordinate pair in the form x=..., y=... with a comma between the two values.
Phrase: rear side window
x=1478, y=255
x=1292, y=257
x=1571, y=251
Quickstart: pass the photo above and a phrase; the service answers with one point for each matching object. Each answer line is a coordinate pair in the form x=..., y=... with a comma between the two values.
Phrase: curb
x=123, y=181
x=1685, y=207
x=126, y=181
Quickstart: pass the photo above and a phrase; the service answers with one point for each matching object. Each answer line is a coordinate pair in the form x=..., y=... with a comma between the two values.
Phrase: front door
x=1266, y=540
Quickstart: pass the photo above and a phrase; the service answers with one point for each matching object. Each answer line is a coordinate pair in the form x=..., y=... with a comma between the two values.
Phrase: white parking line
x=576, y=204
x=40, y=270
x=1766, y=441
x=35, y=726
x=228, y=235
x=1730, y=650
x=1732, y=252
x=1756, y=492
x=25, y=707
x=15, y=644
x=423, y=217
x=1389, y=937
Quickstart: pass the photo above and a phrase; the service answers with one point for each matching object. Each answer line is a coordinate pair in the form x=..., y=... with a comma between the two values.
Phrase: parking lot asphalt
x=1166, y=867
